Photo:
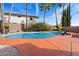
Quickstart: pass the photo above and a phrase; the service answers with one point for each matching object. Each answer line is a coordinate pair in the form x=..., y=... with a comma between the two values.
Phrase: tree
x=0, y=6
x=2, y=16
x=26, y=16
x=44, y=7
x=66, y=17
x=55, y=5
x=10, y=16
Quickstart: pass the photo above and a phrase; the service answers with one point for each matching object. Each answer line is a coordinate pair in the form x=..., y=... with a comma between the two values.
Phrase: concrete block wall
x=14, y=27
x=71, y=29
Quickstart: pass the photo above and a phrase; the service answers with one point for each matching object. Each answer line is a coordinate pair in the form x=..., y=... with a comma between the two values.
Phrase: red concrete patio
x=59, y=46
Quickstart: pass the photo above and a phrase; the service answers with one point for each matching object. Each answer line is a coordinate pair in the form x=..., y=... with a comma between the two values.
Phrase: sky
x=34, y=9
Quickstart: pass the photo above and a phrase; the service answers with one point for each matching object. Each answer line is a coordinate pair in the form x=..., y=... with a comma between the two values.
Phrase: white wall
x=16, y=19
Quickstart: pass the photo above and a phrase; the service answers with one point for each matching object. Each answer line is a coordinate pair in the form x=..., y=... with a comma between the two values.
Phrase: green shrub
x=6, y=29
x=39, y=27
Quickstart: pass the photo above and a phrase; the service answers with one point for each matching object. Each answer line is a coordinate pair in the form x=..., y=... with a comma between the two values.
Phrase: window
x=31, y=18
x=19, y=16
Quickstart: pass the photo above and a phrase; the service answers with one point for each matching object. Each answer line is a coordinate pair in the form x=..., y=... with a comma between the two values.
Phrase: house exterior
x=18, y=21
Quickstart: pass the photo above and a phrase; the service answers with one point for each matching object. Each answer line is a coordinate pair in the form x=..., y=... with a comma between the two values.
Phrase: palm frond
x=59, y=5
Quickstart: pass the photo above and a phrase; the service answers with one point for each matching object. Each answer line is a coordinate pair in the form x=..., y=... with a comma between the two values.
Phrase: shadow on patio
x=29, y=49
x=75, y=35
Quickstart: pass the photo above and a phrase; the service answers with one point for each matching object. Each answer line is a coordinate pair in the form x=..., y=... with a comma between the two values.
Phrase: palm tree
x=26, y=16
x=56, y=5
x=44, y=7
x=10, y=16
x=2, y=16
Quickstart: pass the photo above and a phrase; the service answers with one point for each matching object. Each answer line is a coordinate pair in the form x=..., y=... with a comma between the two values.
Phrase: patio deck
x=59, y=46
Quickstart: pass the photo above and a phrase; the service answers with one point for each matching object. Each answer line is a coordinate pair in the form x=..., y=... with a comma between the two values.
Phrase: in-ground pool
x=39, y=35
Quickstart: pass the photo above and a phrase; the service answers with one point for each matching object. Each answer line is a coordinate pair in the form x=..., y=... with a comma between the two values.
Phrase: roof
x=20, y=15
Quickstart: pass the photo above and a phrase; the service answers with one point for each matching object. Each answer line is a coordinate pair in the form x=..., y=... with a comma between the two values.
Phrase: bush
x=39, y=27
x=6, y=29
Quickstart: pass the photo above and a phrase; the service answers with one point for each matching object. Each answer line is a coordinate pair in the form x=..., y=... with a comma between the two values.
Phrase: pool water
x=35, y=35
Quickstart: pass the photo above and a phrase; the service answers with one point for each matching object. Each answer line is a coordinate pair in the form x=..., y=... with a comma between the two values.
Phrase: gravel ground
x=7, y=50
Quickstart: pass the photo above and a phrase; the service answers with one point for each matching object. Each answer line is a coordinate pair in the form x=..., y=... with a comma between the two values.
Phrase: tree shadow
x=29, y=49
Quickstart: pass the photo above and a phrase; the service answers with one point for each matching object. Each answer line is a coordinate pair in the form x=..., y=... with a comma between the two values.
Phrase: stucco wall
x=16, y=22
x=16, y=19
x=14, y=27
x=71, y=29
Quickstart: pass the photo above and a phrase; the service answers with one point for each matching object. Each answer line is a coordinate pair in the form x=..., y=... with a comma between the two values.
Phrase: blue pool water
x=35, y=35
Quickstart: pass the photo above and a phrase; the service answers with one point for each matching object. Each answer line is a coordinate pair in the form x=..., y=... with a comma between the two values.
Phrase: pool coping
x=3, y=35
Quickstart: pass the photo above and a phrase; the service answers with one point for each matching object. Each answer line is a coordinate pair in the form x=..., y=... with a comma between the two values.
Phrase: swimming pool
x=39, y=35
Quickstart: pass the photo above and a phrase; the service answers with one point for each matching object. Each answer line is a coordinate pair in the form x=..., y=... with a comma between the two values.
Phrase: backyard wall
x=14, y=27
x=71, y=29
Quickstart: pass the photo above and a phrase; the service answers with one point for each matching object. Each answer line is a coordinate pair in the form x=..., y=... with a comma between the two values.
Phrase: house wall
x=16, y=22
x=17, y=19
x=14, y=27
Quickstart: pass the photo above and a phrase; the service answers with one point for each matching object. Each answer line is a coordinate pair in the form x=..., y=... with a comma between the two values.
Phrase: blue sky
x=34, y=9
